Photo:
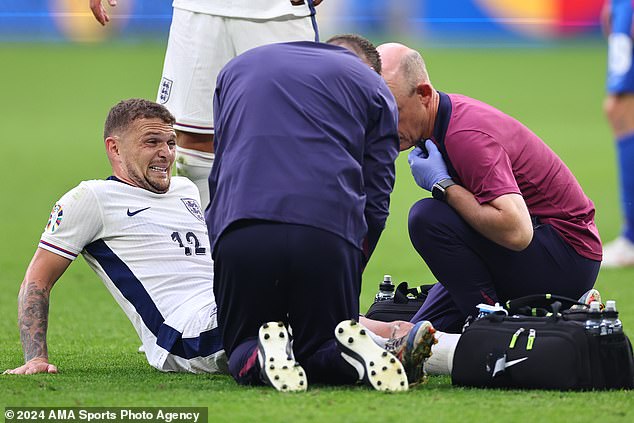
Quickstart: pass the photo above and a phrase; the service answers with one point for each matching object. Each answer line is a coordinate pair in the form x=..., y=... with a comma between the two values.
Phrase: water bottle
x=386, y=289
x=611, y=318
x=593, y=324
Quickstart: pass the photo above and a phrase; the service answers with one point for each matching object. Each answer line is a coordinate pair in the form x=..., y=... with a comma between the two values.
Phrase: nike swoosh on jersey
x=136, y=211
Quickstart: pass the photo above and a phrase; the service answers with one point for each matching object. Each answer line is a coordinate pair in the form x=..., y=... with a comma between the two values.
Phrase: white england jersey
x=245, y=9
x=152, y=252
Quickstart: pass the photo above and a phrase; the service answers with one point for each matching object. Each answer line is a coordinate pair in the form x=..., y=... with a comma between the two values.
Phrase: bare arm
x=33, y=300
x=505, y=220
x=99, y=12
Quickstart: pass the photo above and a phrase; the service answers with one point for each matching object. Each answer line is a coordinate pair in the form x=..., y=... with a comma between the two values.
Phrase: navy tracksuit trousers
x=472, y=269
x=307, y=277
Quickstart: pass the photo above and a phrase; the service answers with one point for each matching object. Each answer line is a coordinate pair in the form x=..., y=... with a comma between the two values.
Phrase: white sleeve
x=75, y=221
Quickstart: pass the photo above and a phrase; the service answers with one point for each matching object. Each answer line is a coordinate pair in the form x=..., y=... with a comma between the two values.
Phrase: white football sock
x=195, y=165
x=441, y=360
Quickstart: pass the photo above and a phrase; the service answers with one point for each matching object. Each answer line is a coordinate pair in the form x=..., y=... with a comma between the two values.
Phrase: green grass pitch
x=54, y=99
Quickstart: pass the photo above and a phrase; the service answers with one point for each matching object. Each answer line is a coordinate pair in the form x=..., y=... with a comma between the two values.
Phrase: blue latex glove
x=427, y=169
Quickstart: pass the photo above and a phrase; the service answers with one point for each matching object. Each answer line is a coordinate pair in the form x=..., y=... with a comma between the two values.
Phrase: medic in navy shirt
x=306, y=138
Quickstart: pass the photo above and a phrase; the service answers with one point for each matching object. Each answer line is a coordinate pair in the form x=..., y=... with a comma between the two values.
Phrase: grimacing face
x=148, y=149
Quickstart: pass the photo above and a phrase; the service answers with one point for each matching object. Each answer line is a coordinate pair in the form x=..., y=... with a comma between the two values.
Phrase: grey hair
x=413, y=70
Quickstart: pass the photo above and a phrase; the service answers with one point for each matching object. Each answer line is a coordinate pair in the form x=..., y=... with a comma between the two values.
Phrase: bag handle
x=539, y=301
x=403, y=291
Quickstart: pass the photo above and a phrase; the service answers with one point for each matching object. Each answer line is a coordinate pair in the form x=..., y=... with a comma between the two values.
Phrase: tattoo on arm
x=33, y=320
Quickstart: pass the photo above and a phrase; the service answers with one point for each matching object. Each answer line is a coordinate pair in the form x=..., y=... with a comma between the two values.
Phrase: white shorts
x=200, y=45
x=192, y=327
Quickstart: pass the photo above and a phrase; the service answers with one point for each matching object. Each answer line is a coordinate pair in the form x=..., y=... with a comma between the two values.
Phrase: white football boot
x=376, y=367
x=277, y=362
x=618, y=253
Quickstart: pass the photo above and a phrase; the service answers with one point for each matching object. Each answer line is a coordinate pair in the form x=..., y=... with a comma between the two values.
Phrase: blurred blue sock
x=625, y=150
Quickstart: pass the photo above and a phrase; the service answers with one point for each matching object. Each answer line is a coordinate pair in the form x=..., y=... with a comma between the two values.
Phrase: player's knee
x=423, y=217
x=610, y=108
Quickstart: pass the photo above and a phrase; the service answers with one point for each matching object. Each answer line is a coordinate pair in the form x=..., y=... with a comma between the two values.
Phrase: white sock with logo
x=195, y=165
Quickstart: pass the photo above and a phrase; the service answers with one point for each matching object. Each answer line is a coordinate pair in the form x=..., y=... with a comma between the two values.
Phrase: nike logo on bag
x=501, y=364
x=136, y=211
x=514, y=362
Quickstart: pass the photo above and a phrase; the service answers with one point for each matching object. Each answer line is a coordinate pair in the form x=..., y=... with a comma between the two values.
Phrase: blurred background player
x=203, y=37
x=619, y=109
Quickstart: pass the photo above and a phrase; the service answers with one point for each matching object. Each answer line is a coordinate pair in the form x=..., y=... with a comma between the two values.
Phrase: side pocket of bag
x=612, y=354
x=557, y=359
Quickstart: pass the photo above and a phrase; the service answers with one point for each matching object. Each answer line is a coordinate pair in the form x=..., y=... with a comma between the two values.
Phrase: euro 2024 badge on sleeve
x=55, y=219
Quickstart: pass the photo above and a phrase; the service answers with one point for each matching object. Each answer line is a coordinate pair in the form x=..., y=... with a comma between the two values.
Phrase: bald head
x=405, y=74
x=391, y=56
x=403, y=67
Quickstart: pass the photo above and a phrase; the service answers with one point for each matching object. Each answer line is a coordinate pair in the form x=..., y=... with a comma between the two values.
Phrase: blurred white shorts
x=200, y=45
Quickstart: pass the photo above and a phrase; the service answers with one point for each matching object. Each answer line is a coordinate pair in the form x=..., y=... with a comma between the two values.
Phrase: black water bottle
x=386, y=289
